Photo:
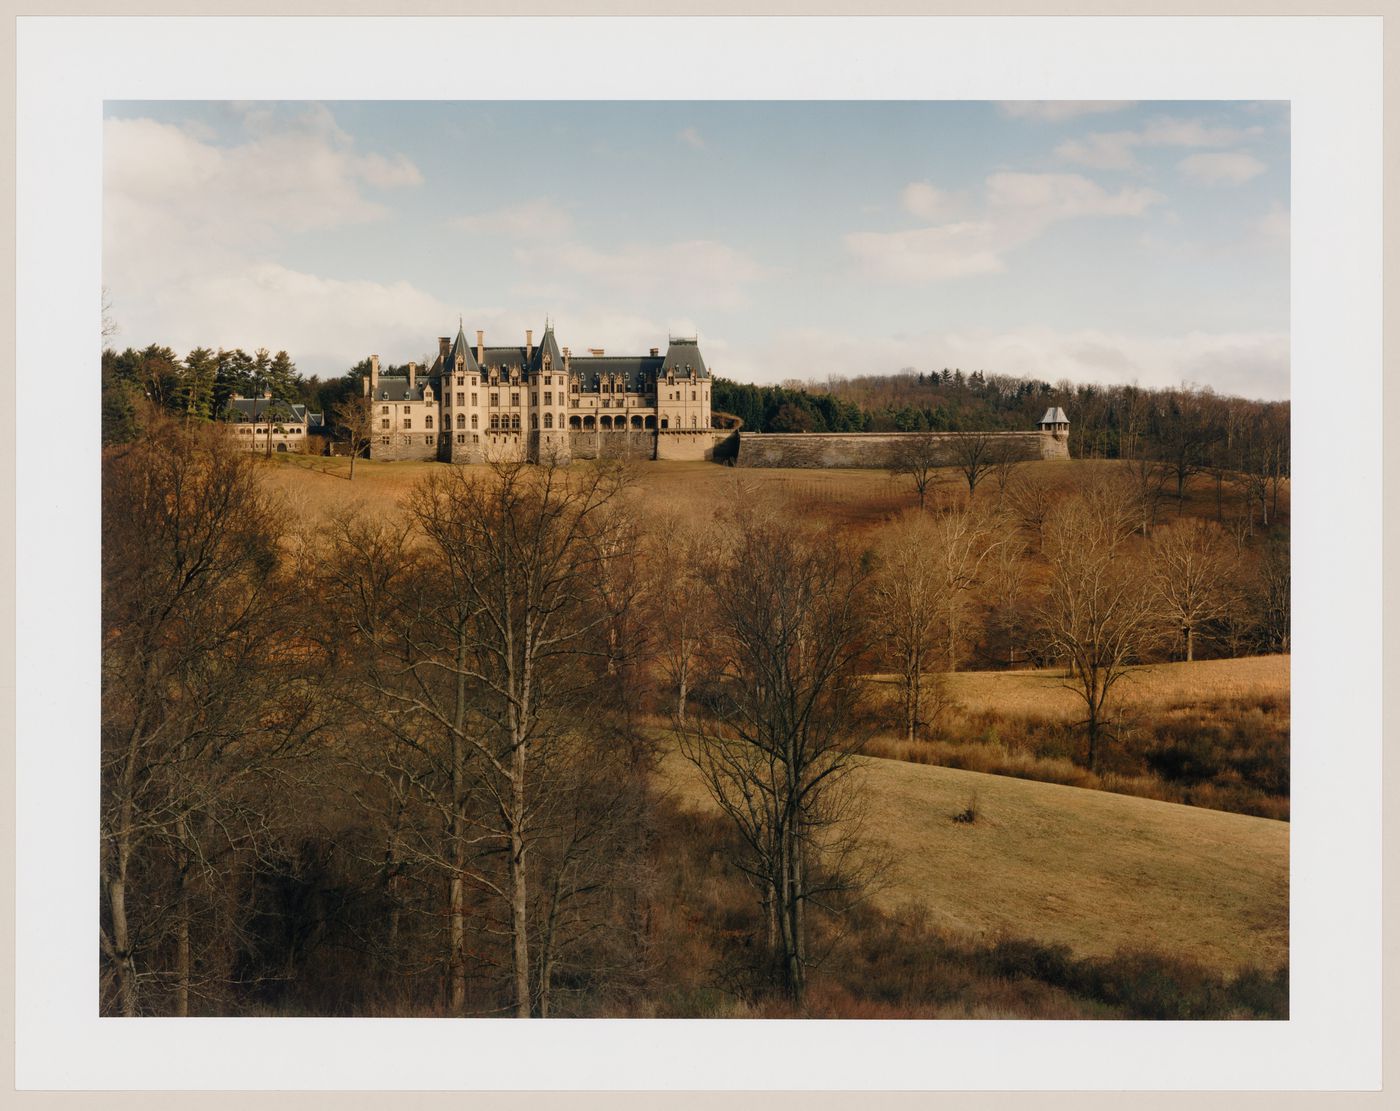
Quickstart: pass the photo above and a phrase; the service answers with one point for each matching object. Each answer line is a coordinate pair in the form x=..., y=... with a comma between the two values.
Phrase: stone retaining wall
x=871, y=449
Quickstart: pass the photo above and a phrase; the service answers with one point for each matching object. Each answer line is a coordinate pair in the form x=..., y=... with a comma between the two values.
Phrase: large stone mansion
x=478, y=403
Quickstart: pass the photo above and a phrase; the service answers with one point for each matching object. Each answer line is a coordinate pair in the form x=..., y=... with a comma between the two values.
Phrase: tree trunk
x=519, y=901
x=182, y=925
x=457, y=931
x=1190, y=642
x=123, y=964
x=683, y=687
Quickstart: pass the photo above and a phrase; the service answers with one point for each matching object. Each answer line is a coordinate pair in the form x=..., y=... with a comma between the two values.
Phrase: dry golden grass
x=1044, y=694
x=851, y=498
x=1097, y=872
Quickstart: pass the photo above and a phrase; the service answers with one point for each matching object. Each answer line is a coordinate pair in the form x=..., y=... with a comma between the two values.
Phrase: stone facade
x=479, y=403
x=876, y=449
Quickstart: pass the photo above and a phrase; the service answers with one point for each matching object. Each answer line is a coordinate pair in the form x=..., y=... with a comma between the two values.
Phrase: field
x=845, y=497
x=1153, y=688
x=1095, y=871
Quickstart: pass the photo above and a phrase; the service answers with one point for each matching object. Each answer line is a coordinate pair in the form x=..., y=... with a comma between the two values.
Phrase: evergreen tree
x=196, y=396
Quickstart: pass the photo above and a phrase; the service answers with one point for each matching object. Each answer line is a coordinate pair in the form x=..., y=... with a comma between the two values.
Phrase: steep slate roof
x=255, y=408
x=637, y=370
x=396, y=389
x=682, y=355
x=460, y=346
x=1054, y=415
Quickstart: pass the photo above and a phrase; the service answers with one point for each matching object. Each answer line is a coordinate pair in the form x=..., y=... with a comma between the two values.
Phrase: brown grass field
x=1098, y=872
x=852, y=499
x=843, y=497
x=1044, y=694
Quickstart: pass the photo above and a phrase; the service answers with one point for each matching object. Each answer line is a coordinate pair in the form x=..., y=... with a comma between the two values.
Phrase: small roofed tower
x=1055, y=423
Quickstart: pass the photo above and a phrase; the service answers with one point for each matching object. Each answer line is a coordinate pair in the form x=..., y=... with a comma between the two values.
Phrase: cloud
x=1251, y=364
x=1228, y=168
x=536, y=219
x=1045, y=198
x=1018, y=208
x=327, y=324
x=1115, y=150
x=175, y=202
x=1055, y=111
x=691, y=138
x=921, y=199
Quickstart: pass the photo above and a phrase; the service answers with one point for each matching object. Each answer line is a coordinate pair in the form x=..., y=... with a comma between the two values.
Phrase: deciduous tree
x=1098, y=614
x=775, y=745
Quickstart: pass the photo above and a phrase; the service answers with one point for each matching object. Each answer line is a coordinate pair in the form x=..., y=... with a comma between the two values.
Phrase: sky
x=1096, y=241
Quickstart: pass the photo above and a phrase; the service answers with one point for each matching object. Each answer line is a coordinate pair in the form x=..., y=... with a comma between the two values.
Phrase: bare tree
x=1192, y=577
x=202, y=699
x=354, y=416
x=907, y=605
x=976, y=455
x=679, y=554
x=918, y=456
x=778, y=740
x=109, y=322
x=1098, y=613
x=1147, y=479
x=485, y=678
x=962, y=539
x=1029, y=502
x=1008, y=453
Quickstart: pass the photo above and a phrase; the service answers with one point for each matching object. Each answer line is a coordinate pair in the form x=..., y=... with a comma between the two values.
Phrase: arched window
x=461, y=420
x=549, y=420
x=605, y=423
x=515, y=420
x=588, y=423
x=575, y=423
x=495, y=421
x=636, y=422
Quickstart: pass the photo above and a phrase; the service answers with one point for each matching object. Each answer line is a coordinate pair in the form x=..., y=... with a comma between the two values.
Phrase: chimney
x=595, y=351
x=655, y=351
x=529, y=343
x=412, y=375
x=566, y=360
x=444, y=349
x=480, y=347
x=373, y=373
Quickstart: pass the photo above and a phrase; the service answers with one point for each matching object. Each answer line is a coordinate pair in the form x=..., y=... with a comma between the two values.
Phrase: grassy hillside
x=1155, y=687
x=1058, y=865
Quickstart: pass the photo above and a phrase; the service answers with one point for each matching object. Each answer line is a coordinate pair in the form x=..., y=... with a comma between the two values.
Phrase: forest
x=416, y=763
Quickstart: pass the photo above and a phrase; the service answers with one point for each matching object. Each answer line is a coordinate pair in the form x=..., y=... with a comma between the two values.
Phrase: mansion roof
x=259, y=408
x=682, y=359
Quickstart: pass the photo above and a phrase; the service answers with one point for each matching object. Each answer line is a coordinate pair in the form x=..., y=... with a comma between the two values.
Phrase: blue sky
x=1097, y=241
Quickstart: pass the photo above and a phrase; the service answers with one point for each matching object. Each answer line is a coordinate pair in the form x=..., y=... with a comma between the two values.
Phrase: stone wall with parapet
x=717, y=444
x=651, y=443
x=872, y=449
x=639, y=444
